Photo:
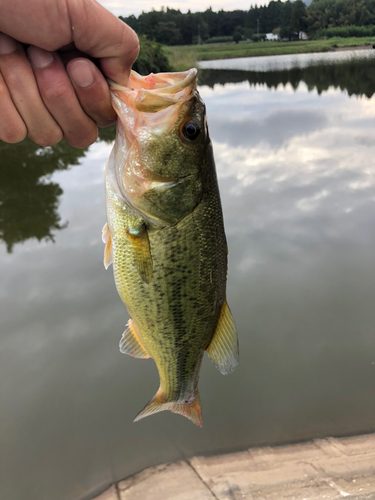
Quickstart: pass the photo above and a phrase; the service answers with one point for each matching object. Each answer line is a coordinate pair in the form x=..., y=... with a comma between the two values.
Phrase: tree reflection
x=356, y=77
x=28, y=199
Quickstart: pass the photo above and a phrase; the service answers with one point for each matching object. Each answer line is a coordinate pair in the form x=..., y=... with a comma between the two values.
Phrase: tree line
x=172, y=27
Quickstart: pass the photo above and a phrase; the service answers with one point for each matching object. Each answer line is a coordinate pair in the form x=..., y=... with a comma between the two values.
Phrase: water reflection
x=356, y=76
x=28, y=198
x=297, y=182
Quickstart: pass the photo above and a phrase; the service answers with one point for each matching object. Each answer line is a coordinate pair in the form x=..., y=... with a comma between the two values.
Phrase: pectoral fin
x=141, y=246
x=131, y=344
x=108, y=253
x=223, y=349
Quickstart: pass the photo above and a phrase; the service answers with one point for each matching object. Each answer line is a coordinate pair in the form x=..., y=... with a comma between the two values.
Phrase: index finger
x=86, y=23
x=102, y=35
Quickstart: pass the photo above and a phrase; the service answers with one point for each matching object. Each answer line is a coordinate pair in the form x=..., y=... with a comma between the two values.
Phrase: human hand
x=54, y=89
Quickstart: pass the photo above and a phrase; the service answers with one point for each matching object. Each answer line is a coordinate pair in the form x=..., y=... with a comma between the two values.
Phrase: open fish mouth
x=153, y=93
x=148, y=109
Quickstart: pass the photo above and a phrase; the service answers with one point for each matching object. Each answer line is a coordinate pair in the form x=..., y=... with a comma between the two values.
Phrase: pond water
x=295, y=156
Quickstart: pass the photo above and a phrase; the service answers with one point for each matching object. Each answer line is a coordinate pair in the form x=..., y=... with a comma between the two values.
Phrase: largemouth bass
x=165, y=237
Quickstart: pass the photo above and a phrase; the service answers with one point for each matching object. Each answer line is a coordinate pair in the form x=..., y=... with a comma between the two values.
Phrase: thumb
x=100, y=34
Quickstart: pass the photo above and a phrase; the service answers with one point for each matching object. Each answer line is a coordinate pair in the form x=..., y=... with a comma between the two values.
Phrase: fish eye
x=191, y=130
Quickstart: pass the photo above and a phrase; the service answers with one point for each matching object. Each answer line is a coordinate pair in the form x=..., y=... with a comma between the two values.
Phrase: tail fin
x=192, y=410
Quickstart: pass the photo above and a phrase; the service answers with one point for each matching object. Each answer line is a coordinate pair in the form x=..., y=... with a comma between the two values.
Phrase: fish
x=165, y=237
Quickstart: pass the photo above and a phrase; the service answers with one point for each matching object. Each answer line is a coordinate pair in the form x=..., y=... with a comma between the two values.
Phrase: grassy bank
x=186, y=56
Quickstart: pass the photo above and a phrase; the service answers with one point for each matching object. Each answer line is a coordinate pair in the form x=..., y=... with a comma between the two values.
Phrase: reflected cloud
x=299, y=213
x=275, y=129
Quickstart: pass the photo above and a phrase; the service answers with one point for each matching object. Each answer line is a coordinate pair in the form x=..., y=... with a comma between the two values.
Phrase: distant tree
x=286, y=18
x=168, y=33
x=171, y=27
x=237, y=37
x=28, y=198
x=323, y=14
x=298, y=21
x=151, y=58
x=248, y=33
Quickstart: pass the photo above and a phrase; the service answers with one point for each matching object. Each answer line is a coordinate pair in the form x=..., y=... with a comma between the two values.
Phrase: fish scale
x=168, y=245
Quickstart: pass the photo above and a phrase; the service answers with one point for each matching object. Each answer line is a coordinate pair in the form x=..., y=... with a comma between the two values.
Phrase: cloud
x=125, y=9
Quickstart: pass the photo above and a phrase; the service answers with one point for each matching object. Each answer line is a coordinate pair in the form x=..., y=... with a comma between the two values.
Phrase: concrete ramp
x=322, y=469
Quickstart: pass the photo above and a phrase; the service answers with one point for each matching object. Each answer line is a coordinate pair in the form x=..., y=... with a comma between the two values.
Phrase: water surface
x=289, y=61
x=295, y=159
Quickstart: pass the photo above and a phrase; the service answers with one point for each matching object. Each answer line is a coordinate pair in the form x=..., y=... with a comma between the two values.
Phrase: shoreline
x=355, y=47
x=330, y=468
x=184, y=57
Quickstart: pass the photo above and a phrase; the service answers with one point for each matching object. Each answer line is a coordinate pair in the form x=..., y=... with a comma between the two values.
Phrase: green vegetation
x=323, y=14
x=151, y=59
x=185, y=57
x=172, y=27
x=219, y=39
x=28, y=198
x=347, y=31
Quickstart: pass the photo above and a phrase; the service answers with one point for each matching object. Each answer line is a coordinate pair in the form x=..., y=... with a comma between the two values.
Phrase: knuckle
x=57, y=91
x=100, y=111
x=83, y=140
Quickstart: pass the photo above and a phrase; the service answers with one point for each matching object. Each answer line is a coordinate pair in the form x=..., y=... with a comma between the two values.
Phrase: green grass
x=186, y=56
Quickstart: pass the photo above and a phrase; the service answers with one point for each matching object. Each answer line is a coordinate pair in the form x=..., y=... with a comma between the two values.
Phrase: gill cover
x=161, y=139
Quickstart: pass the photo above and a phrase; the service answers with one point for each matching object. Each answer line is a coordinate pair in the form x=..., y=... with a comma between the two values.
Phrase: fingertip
x=14, y=136
x=92, y=91
x=80, y=72
x=47, y=138
x=118, y=69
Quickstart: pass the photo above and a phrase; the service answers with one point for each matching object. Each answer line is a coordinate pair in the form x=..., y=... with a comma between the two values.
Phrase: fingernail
x=40, y=58
x=7, y=44
x=81, y=74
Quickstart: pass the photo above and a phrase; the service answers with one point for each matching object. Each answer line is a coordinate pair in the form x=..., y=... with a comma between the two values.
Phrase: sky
x=126, y=8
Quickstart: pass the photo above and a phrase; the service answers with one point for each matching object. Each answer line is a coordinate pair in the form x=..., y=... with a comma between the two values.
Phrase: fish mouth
x=148, y=109
x=153, y=93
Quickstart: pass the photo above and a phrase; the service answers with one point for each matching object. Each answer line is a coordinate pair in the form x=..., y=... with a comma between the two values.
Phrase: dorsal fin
x=141, y=246
x=223, y=349
x=108, y=252
x=131, y=344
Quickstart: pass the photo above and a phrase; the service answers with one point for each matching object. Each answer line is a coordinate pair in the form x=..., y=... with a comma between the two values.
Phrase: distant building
x=271, y=37
x=303, y=36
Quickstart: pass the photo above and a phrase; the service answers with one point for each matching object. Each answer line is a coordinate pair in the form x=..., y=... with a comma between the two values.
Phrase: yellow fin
x=141, y=246
x=192, y=410
x=223, y=349
x=131, y=344
x=108, y=252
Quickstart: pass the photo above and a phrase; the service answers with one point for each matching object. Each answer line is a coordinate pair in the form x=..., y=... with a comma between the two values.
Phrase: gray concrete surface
x=327, y=469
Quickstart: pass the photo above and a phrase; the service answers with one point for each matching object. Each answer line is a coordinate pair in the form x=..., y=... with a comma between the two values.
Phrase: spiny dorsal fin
x=108, y=252
x=131, y=344
x=141, y=246
x=223, y=349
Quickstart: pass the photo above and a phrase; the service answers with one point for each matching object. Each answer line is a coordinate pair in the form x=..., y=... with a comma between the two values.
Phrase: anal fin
x=131, y=344
x=108, y=251
x=223, y=349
